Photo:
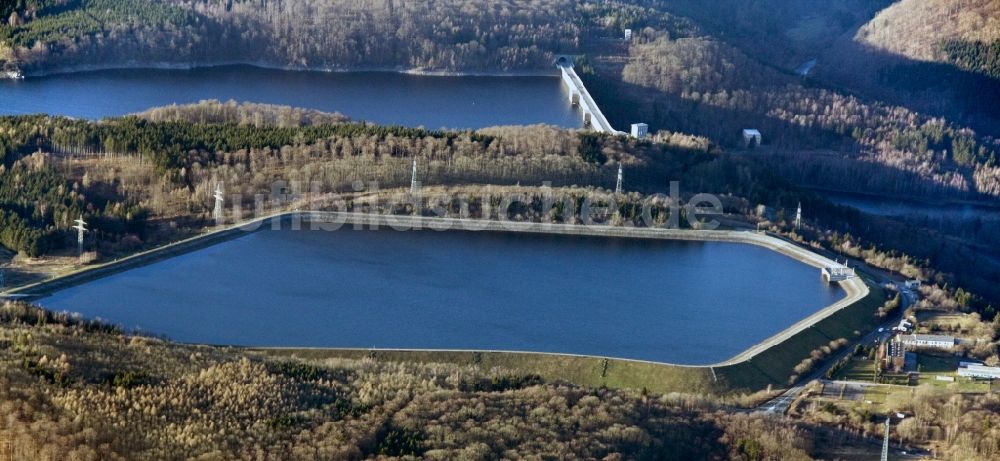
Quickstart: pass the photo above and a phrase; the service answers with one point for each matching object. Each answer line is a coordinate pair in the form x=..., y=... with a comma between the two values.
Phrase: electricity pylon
x=219, y=212
x=414, y=185
x=80, y=227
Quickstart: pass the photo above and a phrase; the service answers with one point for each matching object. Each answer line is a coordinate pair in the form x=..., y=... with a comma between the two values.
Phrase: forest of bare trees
x=73, y=391
x=247, y=113
x=701, y=85
x=679, y=77
x=166, y=163
x=917, y=29
x=445, y=35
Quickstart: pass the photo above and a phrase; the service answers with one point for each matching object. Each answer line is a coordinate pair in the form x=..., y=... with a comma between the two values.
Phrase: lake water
x=888, y=206
x=678, y=302
x=380, y=97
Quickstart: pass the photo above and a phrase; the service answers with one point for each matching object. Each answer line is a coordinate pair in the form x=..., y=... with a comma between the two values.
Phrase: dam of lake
x=380, y=97
x=666, y=301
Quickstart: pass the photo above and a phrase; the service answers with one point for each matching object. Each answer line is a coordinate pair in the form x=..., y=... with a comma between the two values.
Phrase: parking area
x=840, y=390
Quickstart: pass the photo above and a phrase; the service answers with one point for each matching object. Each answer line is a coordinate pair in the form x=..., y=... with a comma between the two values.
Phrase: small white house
x=752, y=138
x=640, y=130
x=935, y=341
x=628, y=34
x=912, y=284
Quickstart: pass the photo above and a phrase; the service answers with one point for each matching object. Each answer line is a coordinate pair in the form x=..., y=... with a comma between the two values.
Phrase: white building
x=935, y=341
x=979, y=371
x=837, y=273
x=752, y=138
x=628, y=34
x=640, y=130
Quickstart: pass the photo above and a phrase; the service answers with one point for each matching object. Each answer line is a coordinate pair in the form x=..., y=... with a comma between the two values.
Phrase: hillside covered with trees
x=705, y=86
x=166, y=163
x=706, y=69
x=72, y=390
x=446, y=35
x=944, y=31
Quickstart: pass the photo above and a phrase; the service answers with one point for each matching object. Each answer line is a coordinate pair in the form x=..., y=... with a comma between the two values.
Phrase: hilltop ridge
x=958, y=32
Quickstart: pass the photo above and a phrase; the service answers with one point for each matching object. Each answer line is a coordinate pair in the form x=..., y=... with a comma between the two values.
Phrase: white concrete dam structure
x=578, y=95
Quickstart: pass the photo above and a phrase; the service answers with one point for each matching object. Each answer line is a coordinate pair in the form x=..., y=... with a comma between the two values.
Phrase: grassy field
x=953, y=323
x=941, y=318
x=771, y=367
x=891, y=397
x=857, y=370
x=929, y=366
x=937, y=364
x=932, y=366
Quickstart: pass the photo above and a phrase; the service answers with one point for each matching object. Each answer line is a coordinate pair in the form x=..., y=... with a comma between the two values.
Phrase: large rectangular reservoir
x=658, y=300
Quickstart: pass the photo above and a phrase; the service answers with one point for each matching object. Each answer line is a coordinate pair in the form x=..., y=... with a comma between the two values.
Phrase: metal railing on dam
x=856, y=288
x=578, y=93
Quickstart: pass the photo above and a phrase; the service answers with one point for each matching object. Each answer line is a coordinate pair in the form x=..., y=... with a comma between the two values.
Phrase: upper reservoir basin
x=664, y=301
x=380, y=97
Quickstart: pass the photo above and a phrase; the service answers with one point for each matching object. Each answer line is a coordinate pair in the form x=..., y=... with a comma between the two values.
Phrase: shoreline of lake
x=83, y=68
x=855, y=290
x=385, y=98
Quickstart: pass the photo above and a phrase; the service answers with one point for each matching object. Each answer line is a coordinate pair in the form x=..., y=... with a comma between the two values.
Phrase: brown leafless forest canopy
x=917, y=28
x=696, y=67
x=441, y=35
x=81, y=391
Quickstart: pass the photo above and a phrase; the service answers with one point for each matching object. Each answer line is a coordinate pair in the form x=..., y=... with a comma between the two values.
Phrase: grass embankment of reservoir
x=771, y=367
x=774, y=365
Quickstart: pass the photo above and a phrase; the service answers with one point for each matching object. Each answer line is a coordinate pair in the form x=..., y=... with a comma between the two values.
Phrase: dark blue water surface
x=890, y=206
x=380, y=97
x=680, y=302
